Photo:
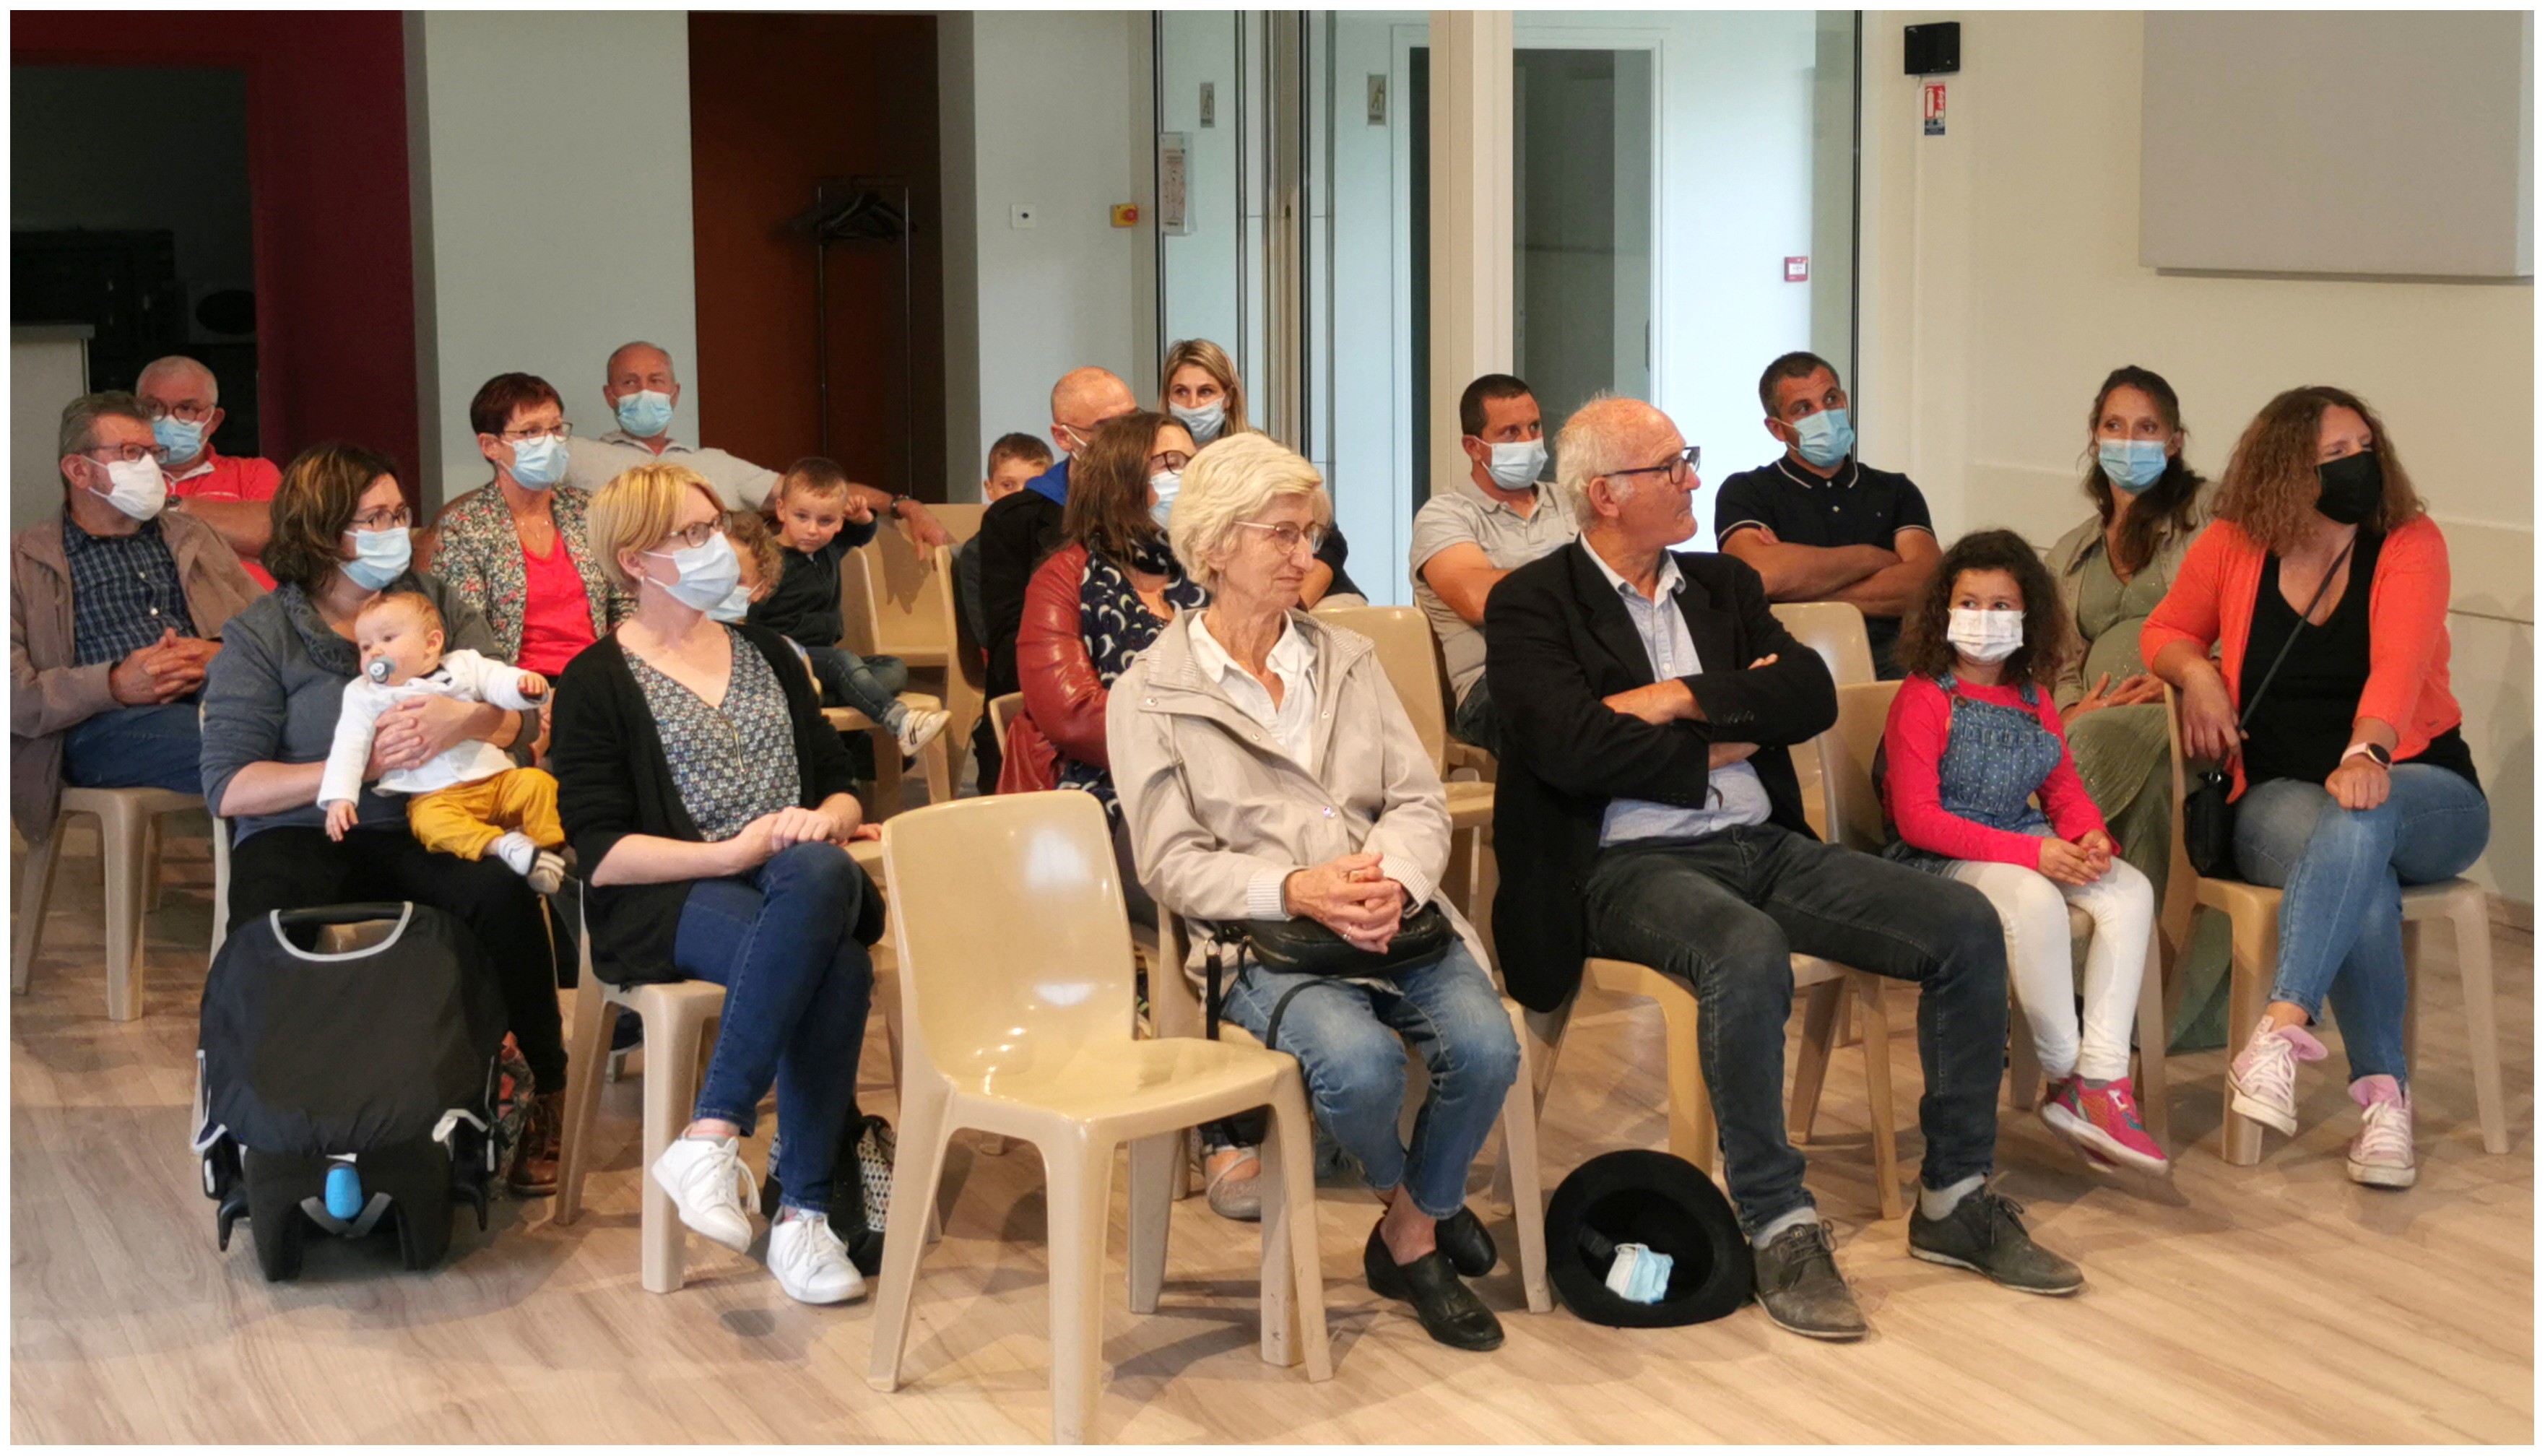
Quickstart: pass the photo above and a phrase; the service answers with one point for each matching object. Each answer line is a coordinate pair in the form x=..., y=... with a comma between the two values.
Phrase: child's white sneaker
x=919, y=727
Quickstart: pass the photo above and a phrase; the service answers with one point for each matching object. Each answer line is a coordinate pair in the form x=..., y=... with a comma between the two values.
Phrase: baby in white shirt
x=472, y=797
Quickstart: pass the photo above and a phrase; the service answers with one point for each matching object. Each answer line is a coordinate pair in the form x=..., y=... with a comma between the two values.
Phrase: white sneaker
x=547, y=872
x=708, y=1185
x=516, y=851
x=2381, y=1155
x=2262, y=1082
x=811, y=1263
x=919, y=727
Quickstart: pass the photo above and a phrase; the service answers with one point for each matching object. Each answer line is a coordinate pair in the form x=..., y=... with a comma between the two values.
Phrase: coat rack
x=859, y=212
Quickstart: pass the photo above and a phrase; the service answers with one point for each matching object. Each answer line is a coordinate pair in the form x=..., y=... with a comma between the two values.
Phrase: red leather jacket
x=1064, y=708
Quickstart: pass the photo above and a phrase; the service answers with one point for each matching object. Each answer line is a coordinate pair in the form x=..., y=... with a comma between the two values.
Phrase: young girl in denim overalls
x=1972, y=740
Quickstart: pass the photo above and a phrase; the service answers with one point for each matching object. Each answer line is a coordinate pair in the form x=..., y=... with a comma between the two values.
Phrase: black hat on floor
x=1665, y=1203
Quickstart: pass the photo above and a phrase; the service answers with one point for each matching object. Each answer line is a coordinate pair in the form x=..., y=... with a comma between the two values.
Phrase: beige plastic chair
x=1017, y=1019
x=898, y=601
x=1003, y=711
x=2254, y=919
x=1834, y=630
x=1411, y=657
x=1855, y=813
x=962, y=519
x=936, y=761
x=128, y=826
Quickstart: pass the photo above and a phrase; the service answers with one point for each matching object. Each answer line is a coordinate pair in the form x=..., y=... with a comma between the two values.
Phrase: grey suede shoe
x=1799, y=1286
x=1985, y=1234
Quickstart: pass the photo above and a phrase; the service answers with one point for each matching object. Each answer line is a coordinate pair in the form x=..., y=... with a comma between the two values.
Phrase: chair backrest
x=962, y=519
x=910, y=597
x=1411, y=658
x=1853, y=809
x=1834, y=630
x=1003, y=711
x=1014, y=949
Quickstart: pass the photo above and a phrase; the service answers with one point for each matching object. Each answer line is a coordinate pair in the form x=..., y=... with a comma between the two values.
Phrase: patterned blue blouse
x=733, y=762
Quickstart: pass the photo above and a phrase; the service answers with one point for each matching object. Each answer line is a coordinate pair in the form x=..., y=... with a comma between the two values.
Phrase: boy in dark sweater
x=818, y=521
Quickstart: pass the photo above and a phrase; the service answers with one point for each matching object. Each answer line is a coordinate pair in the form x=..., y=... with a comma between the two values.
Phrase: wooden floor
x=2273, y=1304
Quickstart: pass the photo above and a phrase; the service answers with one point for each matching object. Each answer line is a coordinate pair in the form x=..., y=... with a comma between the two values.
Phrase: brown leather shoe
x=535, y=1163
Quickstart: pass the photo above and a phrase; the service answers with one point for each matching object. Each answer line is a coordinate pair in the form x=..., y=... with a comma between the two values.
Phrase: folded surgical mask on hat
x=1518, y=464
x=645, y=413
x=2131, y=464
x=1205, y=423
x=1639, y=1277
x=137, y=488
x=735, y=606
x=708, y=573
x=1824, y=439
x=1985, y=636
x=183, y=440
x=380, y=557
x=538, y=462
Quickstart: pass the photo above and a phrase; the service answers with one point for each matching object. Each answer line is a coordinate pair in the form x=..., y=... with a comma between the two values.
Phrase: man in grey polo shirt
x=1466, y=538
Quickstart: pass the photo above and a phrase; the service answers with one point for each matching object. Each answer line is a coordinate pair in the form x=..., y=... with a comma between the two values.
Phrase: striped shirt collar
x=1847, y=478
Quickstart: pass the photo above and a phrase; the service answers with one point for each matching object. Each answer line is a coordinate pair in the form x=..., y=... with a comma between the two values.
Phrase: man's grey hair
x=1594, y=442
x=178, y=364
x=610, y=367
x=80, y=416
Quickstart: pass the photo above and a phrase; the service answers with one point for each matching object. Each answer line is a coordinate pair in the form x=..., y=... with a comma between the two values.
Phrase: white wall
x=48, y=369
x=2001, y=284
x=551, y=162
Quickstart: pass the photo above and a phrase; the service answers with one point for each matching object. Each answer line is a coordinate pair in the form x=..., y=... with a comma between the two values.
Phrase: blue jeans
x=1725, y=912
x=1347, y=1037
x=796, y=987
x=2341, y=873
x=155, y=746
x=866, y=683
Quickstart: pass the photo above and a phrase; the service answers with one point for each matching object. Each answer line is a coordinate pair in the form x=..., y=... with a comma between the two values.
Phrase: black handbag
x=2208, y=818
x=1300, y=946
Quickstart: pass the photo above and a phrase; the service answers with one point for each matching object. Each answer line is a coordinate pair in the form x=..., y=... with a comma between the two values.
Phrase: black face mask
x=2349, y=488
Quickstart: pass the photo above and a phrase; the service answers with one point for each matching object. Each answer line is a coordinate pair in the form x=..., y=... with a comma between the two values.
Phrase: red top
x=556, y=616
x=1913, y=741
x=2212, y=602
x=220, y=477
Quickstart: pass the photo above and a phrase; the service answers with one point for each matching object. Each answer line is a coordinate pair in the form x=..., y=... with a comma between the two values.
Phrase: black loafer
x=1464, y=1239
x=1450, y=1312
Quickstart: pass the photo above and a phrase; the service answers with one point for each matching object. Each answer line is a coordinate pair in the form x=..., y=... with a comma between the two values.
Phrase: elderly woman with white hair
x=1277, y=794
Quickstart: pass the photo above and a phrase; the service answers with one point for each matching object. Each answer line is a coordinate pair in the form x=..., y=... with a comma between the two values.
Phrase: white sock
x=515, y=851
x=1782, y=1222
x=1934, y=1203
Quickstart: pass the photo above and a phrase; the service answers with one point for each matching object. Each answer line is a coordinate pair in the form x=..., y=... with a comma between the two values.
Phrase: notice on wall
x=1172, y=148
x=1935, y=92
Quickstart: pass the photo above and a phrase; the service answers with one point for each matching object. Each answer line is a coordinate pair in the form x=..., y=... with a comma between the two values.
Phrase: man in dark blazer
x=1646, y=809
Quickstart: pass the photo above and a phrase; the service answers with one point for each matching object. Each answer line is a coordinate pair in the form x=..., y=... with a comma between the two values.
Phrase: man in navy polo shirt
x=1819, y=526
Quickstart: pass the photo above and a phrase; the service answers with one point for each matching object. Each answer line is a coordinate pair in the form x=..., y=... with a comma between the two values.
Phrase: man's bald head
x=1083, y=399
x=1611, y=433
x=177, y=377
x=640, y=360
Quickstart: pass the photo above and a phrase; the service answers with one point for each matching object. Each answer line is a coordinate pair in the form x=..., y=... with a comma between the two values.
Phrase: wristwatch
x=895, y=506
x=2376, y=754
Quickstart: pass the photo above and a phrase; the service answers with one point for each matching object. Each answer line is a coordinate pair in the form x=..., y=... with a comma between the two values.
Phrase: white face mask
x=1518, y=464
x=708, y=574
x=1204, y=422
x=1985, y=636
x=1164, y=485
x=137, y=488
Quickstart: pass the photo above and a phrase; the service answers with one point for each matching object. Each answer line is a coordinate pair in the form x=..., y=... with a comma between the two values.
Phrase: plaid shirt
x=123, y=592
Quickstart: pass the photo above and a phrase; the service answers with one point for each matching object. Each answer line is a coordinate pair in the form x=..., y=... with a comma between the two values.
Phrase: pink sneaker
x=2381, y=1155
x=2262, y=1082
x=2104, y=1122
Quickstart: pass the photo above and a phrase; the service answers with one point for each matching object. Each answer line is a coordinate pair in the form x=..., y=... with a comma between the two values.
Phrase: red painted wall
x=776, y=103
x=335, y=268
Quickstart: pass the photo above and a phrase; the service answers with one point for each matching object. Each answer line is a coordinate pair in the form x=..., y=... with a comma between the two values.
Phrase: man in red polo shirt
x=227, y=494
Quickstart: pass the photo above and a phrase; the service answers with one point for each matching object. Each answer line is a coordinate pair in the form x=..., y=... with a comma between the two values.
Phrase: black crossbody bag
x=2208, y=818
x=1302, y=946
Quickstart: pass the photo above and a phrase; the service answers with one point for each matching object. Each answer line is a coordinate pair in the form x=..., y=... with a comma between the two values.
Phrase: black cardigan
x=613, y=780
x=1017, y=534
x=1557, y=640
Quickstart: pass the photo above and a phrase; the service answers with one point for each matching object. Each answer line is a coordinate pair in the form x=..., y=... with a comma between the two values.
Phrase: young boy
x=817, y=521
x=470, y=798
x=1014, y=460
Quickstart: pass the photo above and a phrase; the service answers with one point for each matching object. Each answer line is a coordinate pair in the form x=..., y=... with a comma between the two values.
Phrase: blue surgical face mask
x=645, y=413
x=709, y=574
x=1205, y=423
x=1824, y=439
x=538, y=462
x=183, y=440
x=1518, y=464
x=380, y=557
x=735, y=606
x=2131, y=465
x=1165, y=483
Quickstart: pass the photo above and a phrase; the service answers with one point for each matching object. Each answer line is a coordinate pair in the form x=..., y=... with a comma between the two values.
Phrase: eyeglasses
x=394, y=517
x=1679, y=466
x=694, y=535
x=559, y=430
x=192, y=414
x=125, y=454
x=1169, y=460
x=1287, y=538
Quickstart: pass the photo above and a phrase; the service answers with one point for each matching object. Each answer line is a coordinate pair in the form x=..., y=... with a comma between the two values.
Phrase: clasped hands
x=1351, y=896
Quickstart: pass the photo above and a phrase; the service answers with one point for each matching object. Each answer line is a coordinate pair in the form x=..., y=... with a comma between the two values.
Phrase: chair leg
x=887, y=779
x=2254, y=941
x=154, y=892
x=2483, y=1039
x=221, y=885
x=920, y=1164
x=1519, y=1163
x=120, y=831
x=2153, y=1098
x=1692, y=1115
x=1078, y=1173
x=1875, y=1028
x=1155, y=1164
x=1295, y=1286
x=594, y=1019
x=1810, y=1060
x=1541, y=1036
x=933, y=767
x=34, y=898
x=671, y=1092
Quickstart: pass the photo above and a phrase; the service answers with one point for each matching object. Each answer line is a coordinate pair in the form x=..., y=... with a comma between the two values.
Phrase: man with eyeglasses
x=1646, y=809
x=641, y=389
x=1820, y=525
x=228, y=493
x=116, y=608
x=1018, y=532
